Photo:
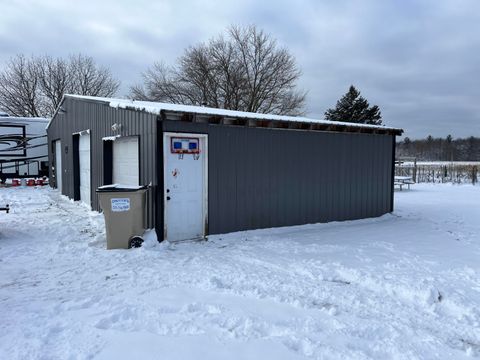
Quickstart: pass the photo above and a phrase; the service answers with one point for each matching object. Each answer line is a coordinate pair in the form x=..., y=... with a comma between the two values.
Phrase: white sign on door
x=119, y=205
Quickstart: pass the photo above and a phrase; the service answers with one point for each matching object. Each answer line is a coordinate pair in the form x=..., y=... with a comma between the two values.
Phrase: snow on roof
x=157, y=107
x=24, y=119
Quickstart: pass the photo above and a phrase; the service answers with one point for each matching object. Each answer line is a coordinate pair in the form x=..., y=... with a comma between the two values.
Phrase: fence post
x=415, y=170
x=474, y=175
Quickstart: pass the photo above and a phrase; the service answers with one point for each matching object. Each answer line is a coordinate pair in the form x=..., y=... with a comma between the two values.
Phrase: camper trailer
x=23, y=147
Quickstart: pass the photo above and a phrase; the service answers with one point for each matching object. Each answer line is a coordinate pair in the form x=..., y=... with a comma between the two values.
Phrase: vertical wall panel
x=385, y=176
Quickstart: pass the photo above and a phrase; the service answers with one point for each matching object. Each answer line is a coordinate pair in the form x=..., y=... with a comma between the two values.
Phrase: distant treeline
x=440, y=149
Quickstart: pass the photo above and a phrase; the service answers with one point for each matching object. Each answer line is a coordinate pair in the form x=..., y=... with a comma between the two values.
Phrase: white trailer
x=23, y=147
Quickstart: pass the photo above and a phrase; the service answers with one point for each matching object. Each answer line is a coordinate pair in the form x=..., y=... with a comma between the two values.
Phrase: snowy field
x=403, y=286
x=443, y=163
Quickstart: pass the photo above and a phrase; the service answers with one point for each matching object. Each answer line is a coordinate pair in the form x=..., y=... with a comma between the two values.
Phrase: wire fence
x=440, y=173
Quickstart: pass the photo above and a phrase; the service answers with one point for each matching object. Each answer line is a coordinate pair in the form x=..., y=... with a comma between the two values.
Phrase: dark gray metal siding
x=260, y=178
x=98, y=118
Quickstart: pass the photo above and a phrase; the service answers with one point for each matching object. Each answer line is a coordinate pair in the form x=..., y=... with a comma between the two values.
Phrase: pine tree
x=354, y=108
x=449, y=148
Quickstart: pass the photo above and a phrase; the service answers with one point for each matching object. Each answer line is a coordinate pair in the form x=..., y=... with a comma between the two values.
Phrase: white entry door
x=126, y=161
x=58, y=165
x=84, y=159
x=185, y=181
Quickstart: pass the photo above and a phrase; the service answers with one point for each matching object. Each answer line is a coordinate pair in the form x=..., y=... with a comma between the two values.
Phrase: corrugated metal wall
x=98, y=118
x=260, y=178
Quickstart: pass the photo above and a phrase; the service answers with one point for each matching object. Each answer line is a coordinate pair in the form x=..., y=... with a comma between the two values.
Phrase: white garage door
x=84, y=157
x=125, y=161
x=58, y=165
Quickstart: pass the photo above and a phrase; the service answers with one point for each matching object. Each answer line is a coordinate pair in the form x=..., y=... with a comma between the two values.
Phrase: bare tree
x=35, y=86
x=244, y=70
x=90, y=79
x=447, y=149
x=19, y=90
x=54, y=80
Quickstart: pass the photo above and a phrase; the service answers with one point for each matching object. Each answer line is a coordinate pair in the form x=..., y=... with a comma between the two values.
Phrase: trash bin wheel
x=135, y=242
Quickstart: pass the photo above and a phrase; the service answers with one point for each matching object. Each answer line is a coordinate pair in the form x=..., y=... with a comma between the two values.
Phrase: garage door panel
x=84, y=160
x=58, y=165
x=126, y=161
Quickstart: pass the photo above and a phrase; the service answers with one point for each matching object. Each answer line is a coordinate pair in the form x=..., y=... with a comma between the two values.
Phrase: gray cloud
x=419, y=61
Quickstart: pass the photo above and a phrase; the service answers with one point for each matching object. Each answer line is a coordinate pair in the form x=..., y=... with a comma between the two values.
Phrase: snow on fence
x=440, y=172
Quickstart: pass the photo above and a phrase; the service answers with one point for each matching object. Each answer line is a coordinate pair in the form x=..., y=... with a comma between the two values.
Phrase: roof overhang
x=274, y=124
x=190, y=113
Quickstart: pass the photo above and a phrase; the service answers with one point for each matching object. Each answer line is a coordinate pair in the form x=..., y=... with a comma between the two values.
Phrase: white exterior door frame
x=166, y=151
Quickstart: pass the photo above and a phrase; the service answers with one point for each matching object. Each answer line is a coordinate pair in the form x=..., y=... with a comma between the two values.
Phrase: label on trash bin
x=122, y=204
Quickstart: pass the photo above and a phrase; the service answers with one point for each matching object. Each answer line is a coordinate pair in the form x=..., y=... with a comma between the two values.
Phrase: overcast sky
x=418, y=60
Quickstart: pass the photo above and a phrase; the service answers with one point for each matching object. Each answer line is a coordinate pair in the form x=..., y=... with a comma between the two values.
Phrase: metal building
x=214, y=171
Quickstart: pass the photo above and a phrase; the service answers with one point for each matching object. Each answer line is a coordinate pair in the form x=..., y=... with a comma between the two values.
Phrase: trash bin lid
x=121, y=188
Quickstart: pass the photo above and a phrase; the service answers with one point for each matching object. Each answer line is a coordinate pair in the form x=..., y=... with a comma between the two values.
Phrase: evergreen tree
x=449, y=148
x=354, y=108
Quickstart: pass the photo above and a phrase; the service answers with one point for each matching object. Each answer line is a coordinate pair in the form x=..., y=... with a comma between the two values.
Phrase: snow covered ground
x=443, y=163
x=403, y=286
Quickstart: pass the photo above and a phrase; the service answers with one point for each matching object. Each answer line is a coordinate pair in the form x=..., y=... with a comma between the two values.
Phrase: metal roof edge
x=158, y=107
